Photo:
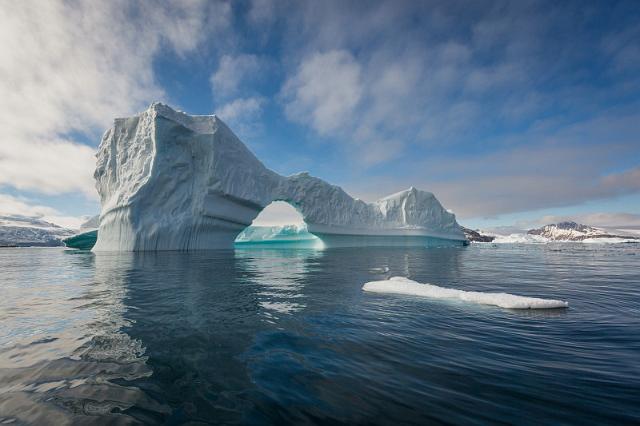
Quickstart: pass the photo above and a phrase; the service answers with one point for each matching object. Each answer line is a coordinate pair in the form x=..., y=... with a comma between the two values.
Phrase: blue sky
x=512, y=113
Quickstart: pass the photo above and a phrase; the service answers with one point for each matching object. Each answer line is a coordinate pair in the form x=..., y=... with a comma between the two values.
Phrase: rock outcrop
x=476, y=237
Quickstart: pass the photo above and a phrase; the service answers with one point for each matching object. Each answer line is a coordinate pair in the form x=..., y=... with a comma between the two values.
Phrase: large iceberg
x=171, y=181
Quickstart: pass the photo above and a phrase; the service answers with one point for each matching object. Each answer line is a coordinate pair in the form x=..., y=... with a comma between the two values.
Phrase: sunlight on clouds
x=10, y=205
x=233, y=71
x=324, y=91
x=497, y=109
x=278, y=213
x=72, y=67
x=243, y=115
x=20, y=206
x=47, y=166
x=240, y=108
x=234, y=91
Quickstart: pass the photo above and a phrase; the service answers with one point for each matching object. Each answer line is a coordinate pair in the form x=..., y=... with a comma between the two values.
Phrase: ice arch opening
x=279, y=225
x=278, y=213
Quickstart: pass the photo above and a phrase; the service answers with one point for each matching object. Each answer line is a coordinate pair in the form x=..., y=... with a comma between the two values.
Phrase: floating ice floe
x=401, y=285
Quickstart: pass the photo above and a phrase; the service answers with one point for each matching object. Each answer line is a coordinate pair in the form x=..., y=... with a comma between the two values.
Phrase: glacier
x=168, y=180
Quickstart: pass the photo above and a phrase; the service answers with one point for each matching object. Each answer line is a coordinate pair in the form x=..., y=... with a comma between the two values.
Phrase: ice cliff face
x=171, y=181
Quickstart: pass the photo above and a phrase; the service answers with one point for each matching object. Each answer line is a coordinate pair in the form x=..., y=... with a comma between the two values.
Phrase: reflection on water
x=280, y=278
x=287, y=336
x=64, y=349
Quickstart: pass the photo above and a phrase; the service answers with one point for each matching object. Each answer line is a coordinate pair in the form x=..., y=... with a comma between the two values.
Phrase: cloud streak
x=496, y=106
x=68, y=68
x=324, y=91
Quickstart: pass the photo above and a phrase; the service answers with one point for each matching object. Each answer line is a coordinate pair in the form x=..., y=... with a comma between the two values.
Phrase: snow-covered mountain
x=90, y=224
x=25, y=231
x=572, y=231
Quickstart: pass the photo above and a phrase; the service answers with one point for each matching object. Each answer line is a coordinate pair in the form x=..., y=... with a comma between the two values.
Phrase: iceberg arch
x=172, y=181
x=279, y=225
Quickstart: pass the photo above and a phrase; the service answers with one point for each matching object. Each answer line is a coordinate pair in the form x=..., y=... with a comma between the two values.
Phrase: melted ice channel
x=401, y=285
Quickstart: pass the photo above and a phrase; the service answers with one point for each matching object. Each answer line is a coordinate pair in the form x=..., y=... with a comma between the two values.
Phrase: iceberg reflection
x=280, y=278
x=73, y=359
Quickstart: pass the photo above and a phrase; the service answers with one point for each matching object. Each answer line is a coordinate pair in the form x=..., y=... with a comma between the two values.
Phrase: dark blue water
x=287, y=336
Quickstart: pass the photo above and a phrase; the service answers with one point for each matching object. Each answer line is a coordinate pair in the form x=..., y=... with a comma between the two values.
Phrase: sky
x=511, y=113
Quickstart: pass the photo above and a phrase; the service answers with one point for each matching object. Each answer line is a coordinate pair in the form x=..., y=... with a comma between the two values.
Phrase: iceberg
x=401, y=285
x=82, y=241
x=172, y=181
x=87, y=235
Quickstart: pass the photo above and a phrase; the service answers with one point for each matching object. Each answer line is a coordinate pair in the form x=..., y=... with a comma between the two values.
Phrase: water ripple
x=288, y=336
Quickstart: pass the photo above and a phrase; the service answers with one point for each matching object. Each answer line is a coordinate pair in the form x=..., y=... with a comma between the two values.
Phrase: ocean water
x=275, y=336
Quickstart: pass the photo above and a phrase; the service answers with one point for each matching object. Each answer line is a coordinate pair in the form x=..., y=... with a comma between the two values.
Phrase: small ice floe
x=382, y=270
x=401, y=285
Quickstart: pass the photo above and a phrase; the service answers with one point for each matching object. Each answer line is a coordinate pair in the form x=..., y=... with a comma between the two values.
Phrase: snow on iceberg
x=278, y=236
x=401, y=285
x=275, y=233
x=171, y=181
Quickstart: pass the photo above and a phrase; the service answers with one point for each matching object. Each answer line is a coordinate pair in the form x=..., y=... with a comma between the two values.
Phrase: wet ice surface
x=405, y=286
x=275, y=336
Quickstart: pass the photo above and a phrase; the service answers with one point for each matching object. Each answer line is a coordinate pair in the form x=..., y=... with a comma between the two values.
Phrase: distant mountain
x=475, y=236
x=25, y=231
x=572, y=231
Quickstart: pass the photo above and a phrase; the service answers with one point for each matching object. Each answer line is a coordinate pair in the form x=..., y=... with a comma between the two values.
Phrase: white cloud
x=20, y=206
x=278, y=213
x=233, y=85
x=378, y=151
x=70, y=68
x=10, y=205
x=48, y=166
x=262, y=12
x=239, y=108
x=69, y=222
x=540, y=168
x=233, y=71
x=243, y=116
x=324, y=91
